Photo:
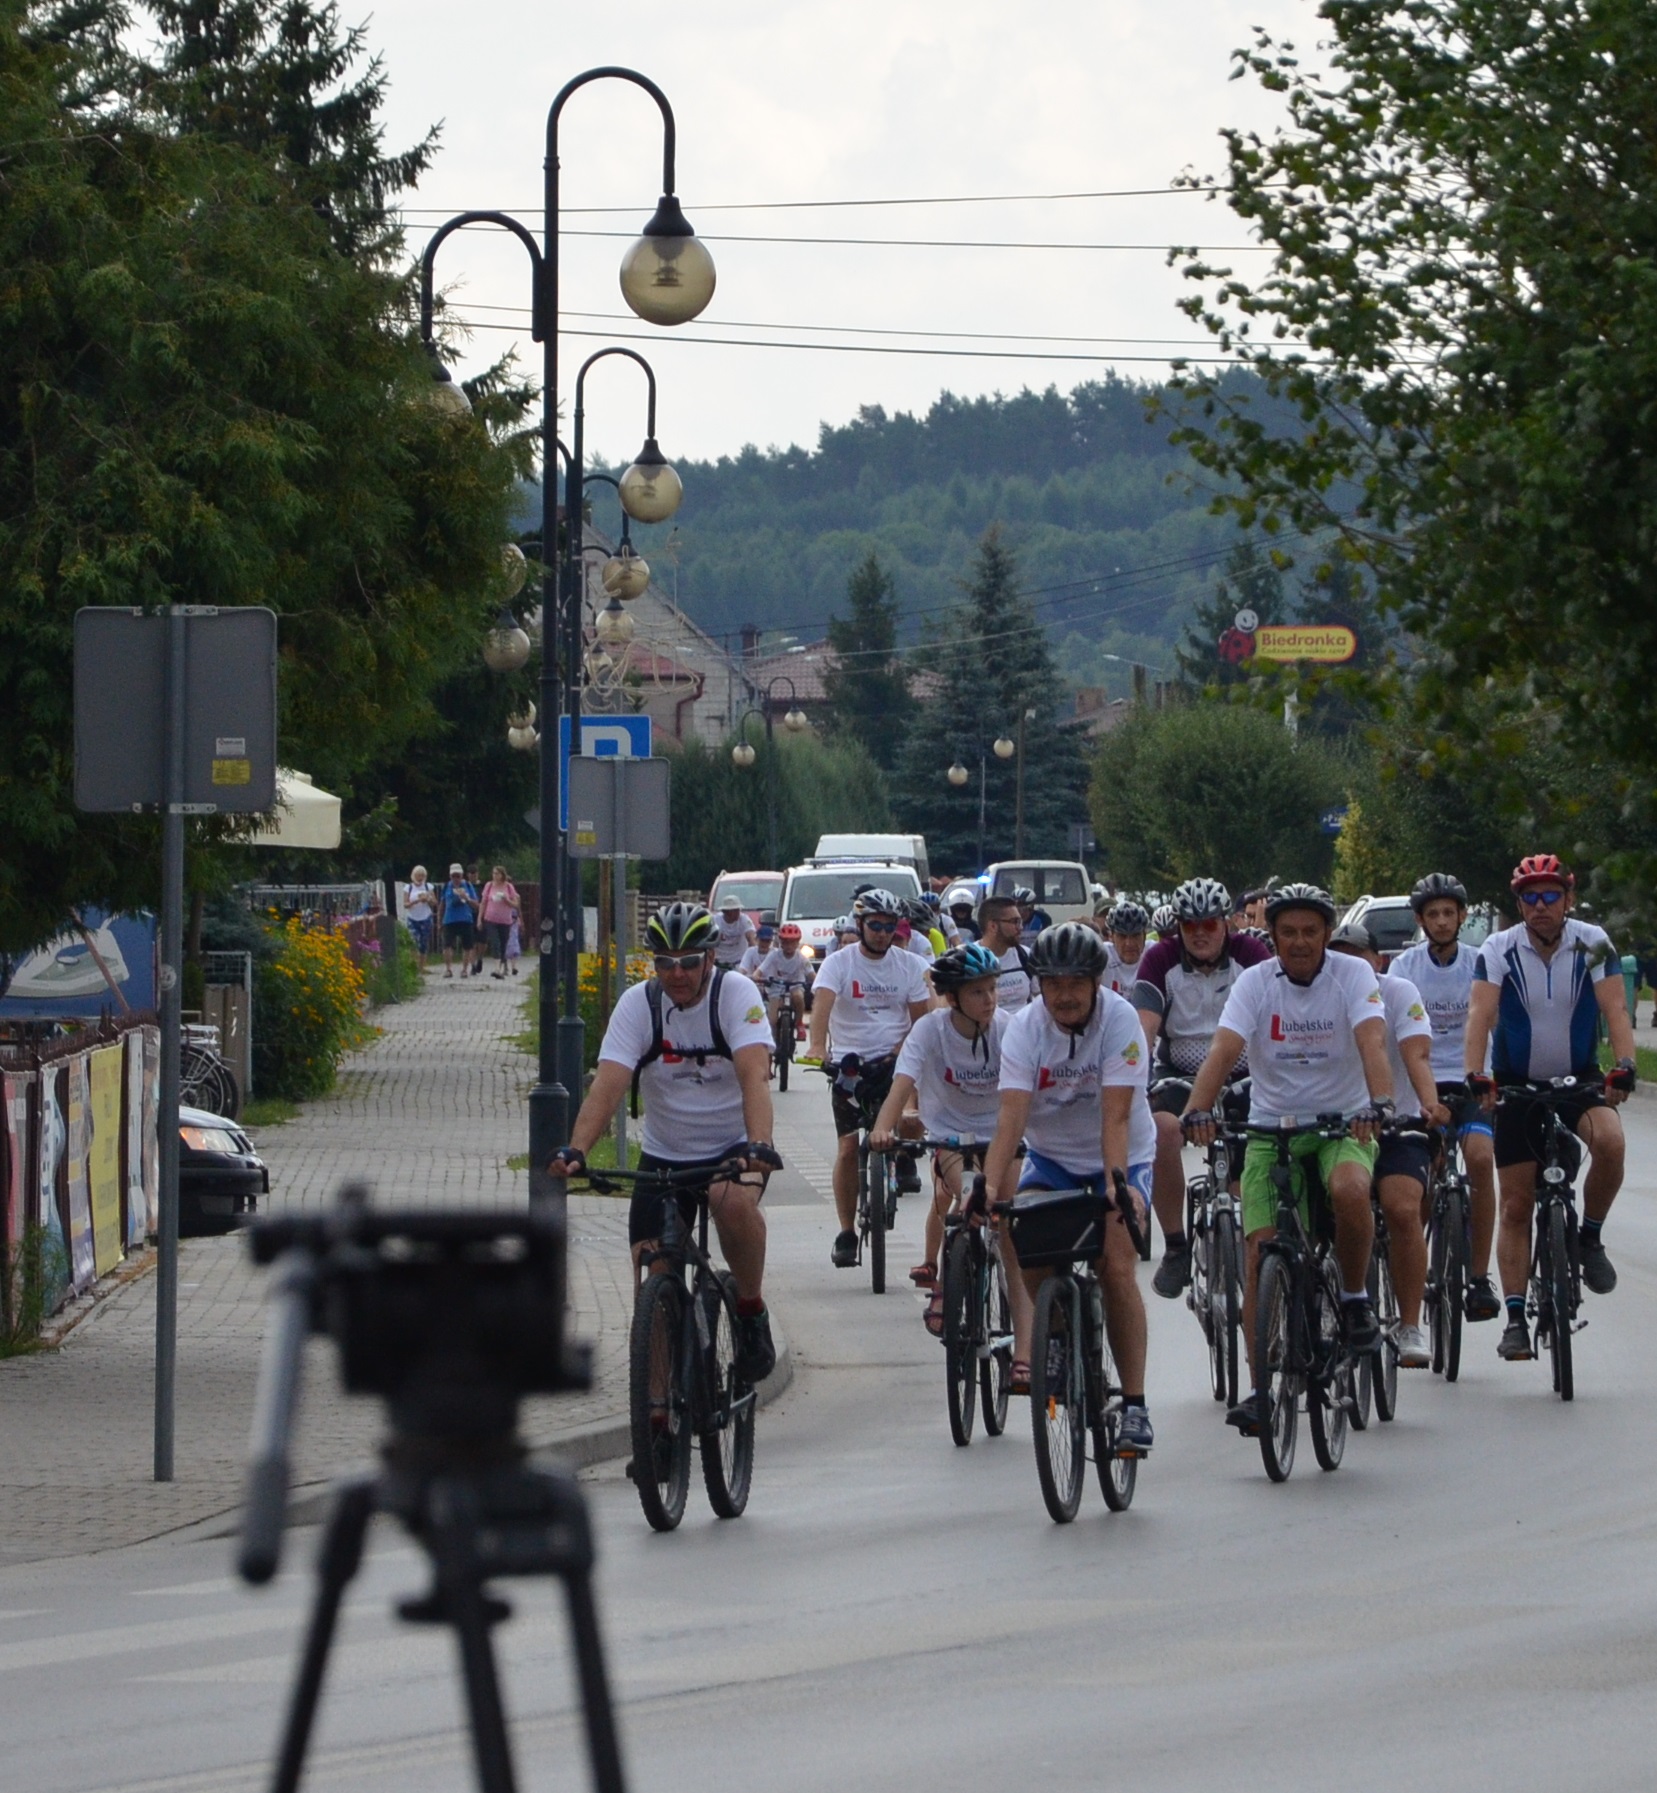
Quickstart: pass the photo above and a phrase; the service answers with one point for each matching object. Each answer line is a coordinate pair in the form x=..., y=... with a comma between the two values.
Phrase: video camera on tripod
x=451, y=1317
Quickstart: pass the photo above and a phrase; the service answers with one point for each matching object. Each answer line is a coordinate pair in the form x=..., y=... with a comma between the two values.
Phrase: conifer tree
x=866, y=686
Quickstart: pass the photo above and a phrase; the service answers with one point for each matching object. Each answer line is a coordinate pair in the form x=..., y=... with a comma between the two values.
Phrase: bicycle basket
x=1058, y=1226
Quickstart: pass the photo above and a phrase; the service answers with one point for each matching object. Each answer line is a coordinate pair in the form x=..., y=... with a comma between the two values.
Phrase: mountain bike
x=978, y=1315
x=877, y=1188
x=1449, y=1252
x=682, y=1377
x=782, y=1033
x=1075, y=1392
x=1299, y=1353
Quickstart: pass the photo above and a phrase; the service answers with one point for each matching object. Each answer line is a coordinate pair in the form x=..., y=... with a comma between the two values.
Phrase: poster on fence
x=54, y=1136
x=103, y=1157
x=133, y=1210
x=152, y=1134
x=14, y=1190
x=83, y=1267
x=99, y=963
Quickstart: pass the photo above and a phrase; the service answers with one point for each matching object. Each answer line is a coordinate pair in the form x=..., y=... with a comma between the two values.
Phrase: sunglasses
x=1530, y=898
x=679, y=961
x=880, y=927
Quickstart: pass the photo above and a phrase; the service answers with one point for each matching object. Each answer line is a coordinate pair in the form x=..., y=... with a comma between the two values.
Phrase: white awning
x=304, y=815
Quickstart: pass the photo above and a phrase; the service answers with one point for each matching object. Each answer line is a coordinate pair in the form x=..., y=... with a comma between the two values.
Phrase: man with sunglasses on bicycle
x=705, y=1077
x=1313, y=1025
x=1539, y=993
x=866, y=999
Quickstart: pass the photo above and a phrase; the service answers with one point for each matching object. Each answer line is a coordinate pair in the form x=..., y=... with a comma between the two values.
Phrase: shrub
x=307, y=1011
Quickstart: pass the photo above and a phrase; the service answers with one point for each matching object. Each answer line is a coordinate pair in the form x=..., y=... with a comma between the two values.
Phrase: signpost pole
x=172, y=951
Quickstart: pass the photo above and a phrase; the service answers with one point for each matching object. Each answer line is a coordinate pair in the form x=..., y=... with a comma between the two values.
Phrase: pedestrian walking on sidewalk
x=420, y=902
x=500, y=909
x=479, y=939
x=460, y=913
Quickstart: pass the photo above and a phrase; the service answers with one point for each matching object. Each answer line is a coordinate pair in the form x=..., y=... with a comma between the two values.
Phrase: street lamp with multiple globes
x=1003, y=749
x=667, y=278
x=742, y=755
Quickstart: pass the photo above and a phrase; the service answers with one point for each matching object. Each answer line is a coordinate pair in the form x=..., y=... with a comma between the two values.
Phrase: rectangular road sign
x=620, y=808
x=602, y=737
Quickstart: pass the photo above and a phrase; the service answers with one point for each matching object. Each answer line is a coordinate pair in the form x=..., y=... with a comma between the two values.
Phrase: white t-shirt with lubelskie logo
x=871, y=999
x=1066, y=1074
x=957, y=1078
x=1302, y=1055
x=692, y=1110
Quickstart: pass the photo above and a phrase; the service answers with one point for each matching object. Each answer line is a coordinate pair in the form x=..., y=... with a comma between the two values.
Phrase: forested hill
x=1102, y=514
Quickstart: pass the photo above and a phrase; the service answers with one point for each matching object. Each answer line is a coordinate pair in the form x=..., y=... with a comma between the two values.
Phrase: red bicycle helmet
x=1542, y=868
x=790, y=930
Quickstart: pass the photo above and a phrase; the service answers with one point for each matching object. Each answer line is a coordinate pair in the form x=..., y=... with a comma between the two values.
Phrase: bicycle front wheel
x=782, y=1071
x=1385, y=1297
x=1447, y=1279
x=727, y=1423
x=1117, y=1474
x=1328, y=1395
x=658, y=1410
x=995, y=1366
x=960, y=1358
x=1058, y=1405
x=1225, y=1293
x=874, y=1213
x=1557, y=1291
x=1274, y=1365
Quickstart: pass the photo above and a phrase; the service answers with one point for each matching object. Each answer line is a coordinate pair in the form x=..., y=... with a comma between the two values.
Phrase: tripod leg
x=603, y=1745
x=338, y=1560
x=457, y=1575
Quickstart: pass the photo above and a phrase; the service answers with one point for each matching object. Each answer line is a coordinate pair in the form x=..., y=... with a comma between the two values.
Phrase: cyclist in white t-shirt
x=1125, y=925
x=705, y=1078
x=1073, y=1090
x=1314, y=1027
x=866, y=999
x=784, y=974
x=951, y=1065
x=765, y=937
x=733, y=934
x=1003, y=930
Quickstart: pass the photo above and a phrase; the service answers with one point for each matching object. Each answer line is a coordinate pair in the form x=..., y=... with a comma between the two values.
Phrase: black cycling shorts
x=1402, y=1156
x=1169, y=1098
x=649, y=1204
x=1521, y=1126
x=874, y=1085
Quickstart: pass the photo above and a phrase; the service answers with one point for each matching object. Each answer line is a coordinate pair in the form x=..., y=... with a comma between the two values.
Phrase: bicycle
x=1378, y=1375
x=782, y=1033
x=1449, y=1253
x=1075, y=1392
x=204, y=1079
x=978, y=1315
x=1214, y=1227
x=877, y=1190
x=1554, y=1295
x=682, y=1377
x=1298, y=1349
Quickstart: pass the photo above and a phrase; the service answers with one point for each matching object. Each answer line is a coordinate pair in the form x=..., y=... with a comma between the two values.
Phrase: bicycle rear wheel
x=1058, y=1408
x=995, y=1367
x=1327, y=1395
x=1117, y=1474
x=874, y=1213
x=1279, y=1381
x=960, y=1359
x=658, y=1411
x=727, y=1426
x=1385, y=1297
x=1556, y=1267
x=1225, y=1308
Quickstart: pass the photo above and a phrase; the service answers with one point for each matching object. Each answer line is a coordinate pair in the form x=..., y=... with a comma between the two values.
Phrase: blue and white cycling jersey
x=1547, y=1021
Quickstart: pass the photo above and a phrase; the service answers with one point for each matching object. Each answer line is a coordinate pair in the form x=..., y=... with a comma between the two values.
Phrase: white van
x=814, y=895
x=1063, y=889
x=900, y=849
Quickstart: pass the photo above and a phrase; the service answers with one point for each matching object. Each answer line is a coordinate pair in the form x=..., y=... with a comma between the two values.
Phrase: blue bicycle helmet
x=964, y=965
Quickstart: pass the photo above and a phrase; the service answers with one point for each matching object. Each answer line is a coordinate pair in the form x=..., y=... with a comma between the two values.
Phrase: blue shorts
x=1467, y=1114
x=1040, y=1172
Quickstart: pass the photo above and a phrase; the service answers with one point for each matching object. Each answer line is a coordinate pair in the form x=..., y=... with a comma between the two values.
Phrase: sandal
x=923, y=1276
x=935, y=1314
x=1020, y=1384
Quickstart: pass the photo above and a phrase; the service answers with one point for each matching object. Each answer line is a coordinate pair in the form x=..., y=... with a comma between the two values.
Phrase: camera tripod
x=451, y=1317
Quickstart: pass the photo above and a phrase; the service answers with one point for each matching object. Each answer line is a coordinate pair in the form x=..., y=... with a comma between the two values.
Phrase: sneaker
x=908, y=1177
x=1359, y=1326
x=756, y=1354
x=1597, y=1271
x=844, y=1254
x=1174, y=1272
x=1514, y=1346
x=1481, y=1302
x=1134, y=1436
x=1412, y=1349
x=1245, y=1416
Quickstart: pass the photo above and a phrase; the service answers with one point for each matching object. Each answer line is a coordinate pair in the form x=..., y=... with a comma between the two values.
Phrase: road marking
x=162, y=1634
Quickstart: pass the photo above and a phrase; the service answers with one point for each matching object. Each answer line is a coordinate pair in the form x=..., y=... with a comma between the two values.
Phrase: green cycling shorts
x=1260, y=1199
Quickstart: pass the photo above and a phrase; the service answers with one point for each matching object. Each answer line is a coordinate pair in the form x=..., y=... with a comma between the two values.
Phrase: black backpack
x=721, y=1047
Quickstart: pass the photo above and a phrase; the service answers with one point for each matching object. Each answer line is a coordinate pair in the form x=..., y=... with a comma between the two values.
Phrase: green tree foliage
x=867, y=687
x=1252, y=580
x=1212, y=789
x=719, y=809
x=991, y=665
x=205, y=398
x=1466, y=189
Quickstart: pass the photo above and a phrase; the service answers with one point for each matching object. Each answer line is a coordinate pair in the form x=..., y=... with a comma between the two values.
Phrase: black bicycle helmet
x=1353, y=937
x=1300, y=896
x=1202, y=899
x=876, y=901
x=918, y=914
x=1127, y=918
x=680, y=928
x=1435, y=885
x=963, y=965
x=1068, y=949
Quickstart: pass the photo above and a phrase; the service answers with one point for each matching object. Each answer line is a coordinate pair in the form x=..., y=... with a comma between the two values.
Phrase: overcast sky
x=851, y=101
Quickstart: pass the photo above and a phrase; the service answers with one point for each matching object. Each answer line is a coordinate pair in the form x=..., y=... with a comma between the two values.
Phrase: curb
x=599, y=1441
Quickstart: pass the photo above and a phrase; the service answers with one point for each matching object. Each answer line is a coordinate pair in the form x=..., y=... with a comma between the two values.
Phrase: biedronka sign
x=1326, y=643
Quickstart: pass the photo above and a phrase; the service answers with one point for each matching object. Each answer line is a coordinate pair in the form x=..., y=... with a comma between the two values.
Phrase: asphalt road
x=1470, y=1601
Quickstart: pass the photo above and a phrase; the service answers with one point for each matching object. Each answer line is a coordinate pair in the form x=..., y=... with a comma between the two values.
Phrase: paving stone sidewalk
x=428, y=1116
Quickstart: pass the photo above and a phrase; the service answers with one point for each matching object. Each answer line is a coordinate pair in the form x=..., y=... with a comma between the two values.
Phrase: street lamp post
x=742, y=755
x=667, y=278
x=958, y=776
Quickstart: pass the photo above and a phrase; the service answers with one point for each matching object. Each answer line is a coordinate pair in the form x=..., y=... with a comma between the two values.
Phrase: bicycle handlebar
x=676, y=1178
x=1329, y=1126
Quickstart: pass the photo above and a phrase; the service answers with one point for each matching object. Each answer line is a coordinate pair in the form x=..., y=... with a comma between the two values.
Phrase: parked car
x=1063, y=889
x=814, y=895
x=757, y=892
x=1389, y=918
x=220, y=1175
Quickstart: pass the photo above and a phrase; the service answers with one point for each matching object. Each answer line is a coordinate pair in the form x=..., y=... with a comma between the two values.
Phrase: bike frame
x=1304, y=1256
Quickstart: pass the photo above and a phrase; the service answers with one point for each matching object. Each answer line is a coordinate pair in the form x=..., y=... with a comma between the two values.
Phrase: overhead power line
x=959, y=243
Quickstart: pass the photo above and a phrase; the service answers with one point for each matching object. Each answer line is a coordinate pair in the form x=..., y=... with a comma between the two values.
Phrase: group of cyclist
x=1076, y=1056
